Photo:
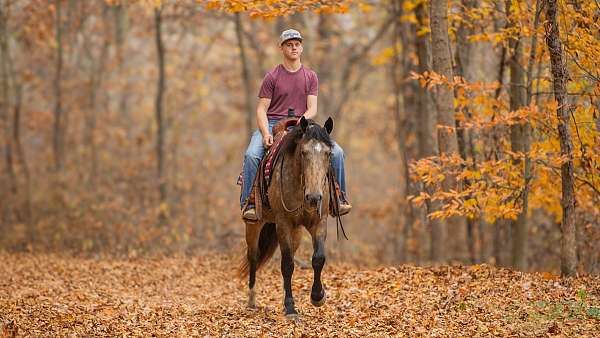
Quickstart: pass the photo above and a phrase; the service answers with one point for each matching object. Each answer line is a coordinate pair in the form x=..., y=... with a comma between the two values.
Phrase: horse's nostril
x=313, y=198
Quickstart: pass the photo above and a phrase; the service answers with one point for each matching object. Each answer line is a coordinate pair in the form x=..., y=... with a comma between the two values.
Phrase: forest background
x=123, y=125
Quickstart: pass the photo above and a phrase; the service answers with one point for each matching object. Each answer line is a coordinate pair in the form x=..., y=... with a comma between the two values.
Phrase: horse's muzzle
x=313, y=199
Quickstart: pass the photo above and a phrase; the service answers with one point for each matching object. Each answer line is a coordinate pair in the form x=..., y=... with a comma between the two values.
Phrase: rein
x=336, y=204
x=301, y=206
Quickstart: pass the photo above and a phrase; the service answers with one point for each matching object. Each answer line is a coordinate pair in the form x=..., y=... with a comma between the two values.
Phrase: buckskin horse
x=301, y=184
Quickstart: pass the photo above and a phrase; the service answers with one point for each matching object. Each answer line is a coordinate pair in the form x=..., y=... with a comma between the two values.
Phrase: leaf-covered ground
x=54, y=296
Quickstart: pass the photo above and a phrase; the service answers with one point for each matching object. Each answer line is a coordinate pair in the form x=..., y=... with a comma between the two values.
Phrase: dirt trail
x=53, y=296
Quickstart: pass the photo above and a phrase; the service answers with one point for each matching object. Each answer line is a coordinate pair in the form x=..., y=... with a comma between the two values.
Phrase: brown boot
x=345, y=208
x=250, y=214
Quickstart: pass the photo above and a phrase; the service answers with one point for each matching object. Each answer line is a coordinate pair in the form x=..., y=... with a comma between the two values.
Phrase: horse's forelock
x=313, y=132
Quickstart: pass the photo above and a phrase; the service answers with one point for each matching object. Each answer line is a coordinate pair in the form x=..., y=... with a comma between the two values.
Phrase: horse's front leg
x=319, y=234
x=287, y=269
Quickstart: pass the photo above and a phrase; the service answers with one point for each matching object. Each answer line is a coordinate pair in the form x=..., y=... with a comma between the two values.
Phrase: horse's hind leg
x=319, y=234
x=252, y=236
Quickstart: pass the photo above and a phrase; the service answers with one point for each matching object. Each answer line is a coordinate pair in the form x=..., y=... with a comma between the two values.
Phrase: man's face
x=291, y=49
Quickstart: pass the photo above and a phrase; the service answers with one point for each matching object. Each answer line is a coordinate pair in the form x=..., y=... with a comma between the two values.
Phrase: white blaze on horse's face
x=315, y=163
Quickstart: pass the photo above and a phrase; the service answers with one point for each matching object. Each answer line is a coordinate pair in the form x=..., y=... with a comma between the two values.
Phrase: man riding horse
x=288, y=85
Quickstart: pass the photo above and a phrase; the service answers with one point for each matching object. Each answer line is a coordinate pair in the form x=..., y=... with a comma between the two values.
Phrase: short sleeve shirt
x=288, y=90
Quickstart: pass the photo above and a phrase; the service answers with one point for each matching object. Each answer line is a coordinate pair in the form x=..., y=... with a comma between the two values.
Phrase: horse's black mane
x=313, y=132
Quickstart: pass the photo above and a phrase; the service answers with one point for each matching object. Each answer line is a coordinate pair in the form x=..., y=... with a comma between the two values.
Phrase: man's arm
x=311, y=102
x=262, y=122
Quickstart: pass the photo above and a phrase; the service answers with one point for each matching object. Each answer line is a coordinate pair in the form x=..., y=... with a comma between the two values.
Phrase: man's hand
x=268, y=140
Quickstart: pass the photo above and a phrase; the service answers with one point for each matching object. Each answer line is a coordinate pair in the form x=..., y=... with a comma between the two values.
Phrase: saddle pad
x=269, y=157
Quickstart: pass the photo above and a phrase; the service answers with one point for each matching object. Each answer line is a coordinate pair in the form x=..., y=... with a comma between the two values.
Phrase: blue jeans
x=255, y=153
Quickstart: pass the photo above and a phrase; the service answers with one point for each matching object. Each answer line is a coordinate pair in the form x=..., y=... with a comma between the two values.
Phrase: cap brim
x=284, y=41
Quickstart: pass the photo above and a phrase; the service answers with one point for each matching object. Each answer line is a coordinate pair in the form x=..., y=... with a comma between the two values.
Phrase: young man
x=289, y=85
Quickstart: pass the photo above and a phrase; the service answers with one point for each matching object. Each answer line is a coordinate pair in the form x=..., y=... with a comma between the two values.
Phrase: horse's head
x=315, y=148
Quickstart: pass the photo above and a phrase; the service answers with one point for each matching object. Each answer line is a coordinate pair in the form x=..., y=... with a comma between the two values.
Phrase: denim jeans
x=256, y=150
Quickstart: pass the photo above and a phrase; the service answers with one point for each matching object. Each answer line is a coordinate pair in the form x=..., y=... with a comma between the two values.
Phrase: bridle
x=301, y=206
x=333, y=194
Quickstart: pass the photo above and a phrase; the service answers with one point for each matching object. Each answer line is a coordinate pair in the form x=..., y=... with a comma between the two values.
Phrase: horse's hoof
x=292, y=317
x=251, y=299
x=320, y=302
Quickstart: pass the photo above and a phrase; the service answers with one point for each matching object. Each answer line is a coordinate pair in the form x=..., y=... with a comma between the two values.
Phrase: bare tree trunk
x=96, y=73
x=398, y=72
x=580, y=239
x=4, y=111
x=598, y=115
x=497, y=242
x=160, y=119
x=444, y=102
x=257, y=49
x=533, y=51
x=59, y=118
x=560, y=77
x=22, y=159
x=91, y=131
x=463, y=54
x=245, y=75
x=10, y=74
x=409, y=125
x=325, y=66
x=120, y=15
x=519, y=141
x=425, y=115
x=500, y=231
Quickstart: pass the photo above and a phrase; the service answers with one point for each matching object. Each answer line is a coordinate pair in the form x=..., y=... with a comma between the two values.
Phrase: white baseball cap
x=289, y=34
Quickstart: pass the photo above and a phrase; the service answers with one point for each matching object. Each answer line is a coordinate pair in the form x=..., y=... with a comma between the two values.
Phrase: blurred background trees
x=123, y=125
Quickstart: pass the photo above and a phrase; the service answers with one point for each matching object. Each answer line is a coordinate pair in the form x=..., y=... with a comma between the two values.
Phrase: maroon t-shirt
x=288, y=90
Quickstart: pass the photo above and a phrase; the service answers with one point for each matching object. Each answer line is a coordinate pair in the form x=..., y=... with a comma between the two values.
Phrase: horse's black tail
x=267, y=243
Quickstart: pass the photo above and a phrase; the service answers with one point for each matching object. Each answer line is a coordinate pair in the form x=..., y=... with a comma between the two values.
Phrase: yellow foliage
x=386, y=55
x=492, y=188
x=268, y=9
x=365, y=8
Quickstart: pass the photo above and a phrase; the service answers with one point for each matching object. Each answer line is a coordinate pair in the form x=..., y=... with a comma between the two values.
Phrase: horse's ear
x=303, y=124
x=329, y=125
